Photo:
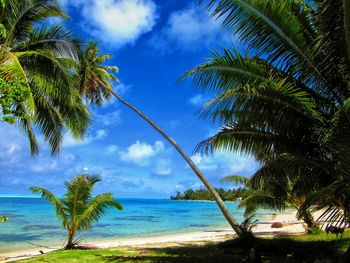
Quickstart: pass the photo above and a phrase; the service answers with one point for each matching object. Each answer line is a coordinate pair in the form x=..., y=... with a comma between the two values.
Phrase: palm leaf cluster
x=42, y=54
x=285, y=99
x=78, y=209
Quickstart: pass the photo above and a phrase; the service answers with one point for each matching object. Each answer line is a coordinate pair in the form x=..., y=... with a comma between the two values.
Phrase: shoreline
x=216, y=234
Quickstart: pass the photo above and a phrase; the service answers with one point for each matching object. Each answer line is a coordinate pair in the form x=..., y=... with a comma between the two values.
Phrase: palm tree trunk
x=70, y=243
x=233, y=223
x=346, y=7
x=309, y=220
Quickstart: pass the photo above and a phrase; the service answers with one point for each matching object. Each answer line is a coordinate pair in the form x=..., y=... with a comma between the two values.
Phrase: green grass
x=305, y=248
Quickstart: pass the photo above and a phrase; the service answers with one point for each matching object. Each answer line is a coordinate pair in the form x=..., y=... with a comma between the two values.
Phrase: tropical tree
x=95, y=84
x=287, y=95
x=270, y=188
x=78, y=209
x=37, y=72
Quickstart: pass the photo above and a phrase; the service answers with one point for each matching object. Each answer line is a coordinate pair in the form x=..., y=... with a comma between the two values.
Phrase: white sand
x=290, y=226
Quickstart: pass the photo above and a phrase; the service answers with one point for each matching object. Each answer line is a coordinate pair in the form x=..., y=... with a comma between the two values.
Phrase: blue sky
x=153, y=42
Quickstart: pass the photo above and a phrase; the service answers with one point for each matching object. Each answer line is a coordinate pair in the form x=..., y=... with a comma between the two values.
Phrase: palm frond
x=96, y=208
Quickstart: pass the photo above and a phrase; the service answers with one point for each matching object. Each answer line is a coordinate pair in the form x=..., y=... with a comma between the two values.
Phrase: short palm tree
x=39, y=56
x=95, y=84
x=270, y=188
x=290, y=99
x=78, y=209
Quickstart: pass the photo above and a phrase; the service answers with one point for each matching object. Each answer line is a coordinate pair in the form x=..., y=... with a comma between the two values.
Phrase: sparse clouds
x=111, y=149
x=198, y=100
x=221, y=164
x=116, y=22
x=70, y=141
x=189, y=29
x=133, y=184
x=163, y=168
x=140, y=153
x=109, y=119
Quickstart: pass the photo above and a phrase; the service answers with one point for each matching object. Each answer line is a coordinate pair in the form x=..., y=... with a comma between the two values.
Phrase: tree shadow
x=188, y=253
x=279, y=249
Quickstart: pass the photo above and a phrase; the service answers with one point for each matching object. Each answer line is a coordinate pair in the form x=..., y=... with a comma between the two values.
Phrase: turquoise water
x=32, y=221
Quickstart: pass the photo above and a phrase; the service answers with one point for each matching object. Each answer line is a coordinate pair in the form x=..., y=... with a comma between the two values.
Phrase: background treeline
x=202, y=194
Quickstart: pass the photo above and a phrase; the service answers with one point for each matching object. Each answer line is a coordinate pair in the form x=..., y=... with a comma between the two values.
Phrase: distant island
x=203, y=194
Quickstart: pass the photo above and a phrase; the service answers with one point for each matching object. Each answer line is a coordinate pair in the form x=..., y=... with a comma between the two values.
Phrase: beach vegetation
x=285, y=99
x=79, y=209
x=267, y=189
x=203, y=194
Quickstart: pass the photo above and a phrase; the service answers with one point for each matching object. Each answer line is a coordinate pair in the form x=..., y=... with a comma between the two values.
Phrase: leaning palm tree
x=95, y=84
x=78, y=209
x=37, y=58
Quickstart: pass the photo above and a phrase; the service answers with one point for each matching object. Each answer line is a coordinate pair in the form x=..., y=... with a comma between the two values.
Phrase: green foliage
x=305, y=248
x=3, y=219
x=202, y=194
x=288, y=103
x=94, y=77
x=38, y=57
x=11, y=94
x=78, y=209
x=316, y=230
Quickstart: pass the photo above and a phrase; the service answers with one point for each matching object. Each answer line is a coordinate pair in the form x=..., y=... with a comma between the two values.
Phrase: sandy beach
x=290, y=226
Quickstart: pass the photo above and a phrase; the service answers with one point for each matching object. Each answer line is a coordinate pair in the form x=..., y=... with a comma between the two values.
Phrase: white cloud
x=140, y=152
x=70, y=141
x=198, y=100
x=163, y=168
x=117, y=22
x=100, y=134
x=225, y=163
x=111, y=149
x=44, y=166
x=109, y=119
x=190, y=29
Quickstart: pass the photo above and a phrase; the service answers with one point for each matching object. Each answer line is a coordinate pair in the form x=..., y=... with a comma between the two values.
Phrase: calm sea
x=32, y=221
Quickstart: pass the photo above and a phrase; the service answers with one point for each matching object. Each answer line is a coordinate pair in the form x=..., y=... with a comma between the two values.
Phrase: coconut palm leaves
x=95, y=78
x=288, y=101
x=41, y=55
x=78, y=209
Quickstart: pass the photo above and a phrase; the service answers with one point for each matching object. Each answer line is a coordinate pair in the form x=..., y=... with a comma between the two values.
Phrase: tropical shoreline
x=291, y=226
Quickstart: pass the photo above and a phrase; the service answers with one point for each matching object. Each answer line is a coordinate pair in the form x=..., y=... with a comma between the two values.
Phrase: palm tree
x=270, y=188
x=39, y=56
x=290, y=98
x=78, y=209
x=95, y=85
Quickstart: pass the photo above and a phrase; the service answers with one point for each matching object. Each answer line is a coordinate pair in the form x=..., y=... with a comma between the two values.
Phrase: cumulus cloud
x=117, y=22
x=140, y=152
x=163, y=168
x=190, y=29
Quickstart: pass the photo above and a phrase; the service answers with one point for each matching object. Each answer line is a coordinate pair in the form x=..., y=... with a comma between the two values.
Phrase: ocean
x=32, y=221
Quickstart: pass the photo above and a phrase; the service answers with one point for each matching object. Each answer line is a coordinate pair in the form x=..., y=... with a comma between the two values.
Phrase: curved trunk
x=233, y=223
